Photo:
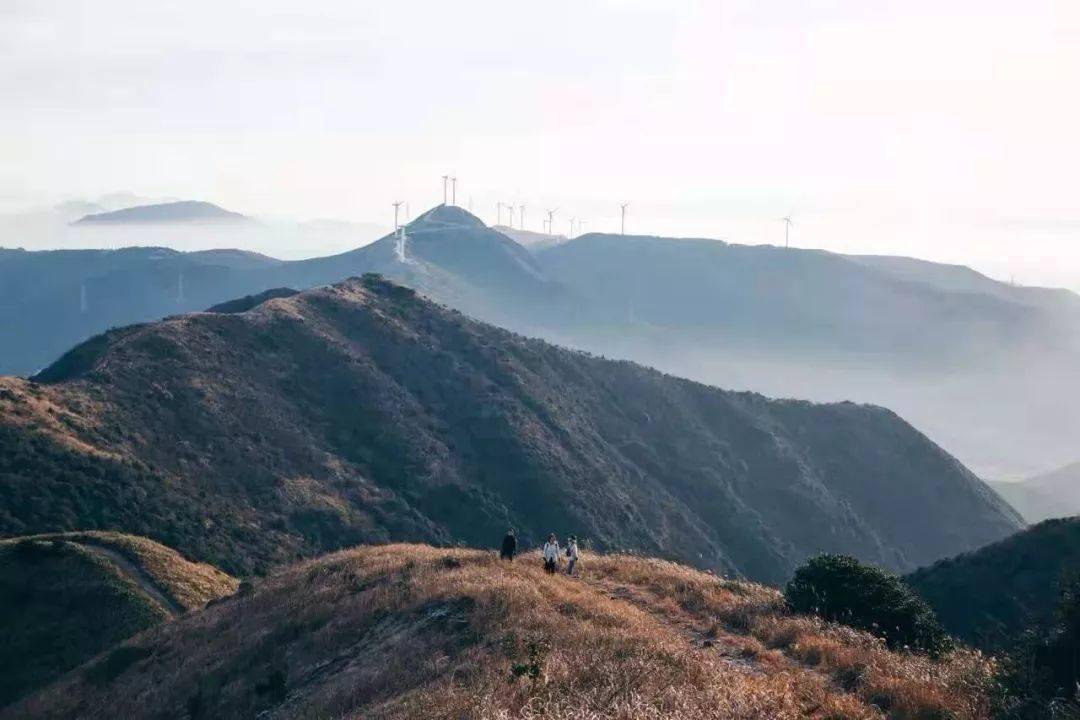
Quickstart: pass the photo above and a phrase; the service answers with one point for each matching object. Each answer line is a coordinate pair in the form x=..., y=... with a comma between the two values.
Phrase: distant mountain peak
x=446, y=215
x=182, y=211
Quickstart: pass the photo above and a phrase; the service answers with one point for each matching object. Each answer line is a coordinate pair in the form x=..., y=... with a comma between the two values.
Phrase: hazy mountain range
x=986, y=369
x=1048, y=495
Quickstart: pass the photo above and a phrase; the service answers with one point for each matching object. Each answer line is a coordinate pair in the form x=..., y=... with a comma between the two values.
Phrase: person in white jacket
x=551, y=553
x=571, y=554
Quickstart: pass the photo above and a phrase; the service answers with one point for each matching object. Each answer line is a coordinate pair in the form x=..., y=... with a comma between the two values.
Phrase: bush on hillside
x=1040, y=676
x=841, y=589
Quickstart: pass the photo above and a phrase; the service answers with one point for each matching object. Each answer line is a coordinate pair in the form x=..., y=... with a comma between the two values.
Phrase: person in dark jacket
x=509, y=545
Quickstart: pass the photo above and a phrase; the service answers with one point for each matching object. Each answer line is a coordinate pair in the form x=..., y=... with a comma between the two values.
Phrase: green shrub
x=841, y=589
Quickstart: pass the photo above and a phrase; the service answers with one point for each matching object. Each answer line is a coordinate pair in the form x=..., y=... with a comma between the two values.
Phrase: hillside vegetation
x=989, y=596
x=362, y=412
x=406, y=631
x=64, y=598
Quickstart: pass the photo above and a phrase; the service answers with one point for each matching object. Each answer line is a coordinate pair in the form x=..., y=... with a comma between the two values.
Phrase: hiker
x=551, y=553
x=571, y=554
x=509, y=545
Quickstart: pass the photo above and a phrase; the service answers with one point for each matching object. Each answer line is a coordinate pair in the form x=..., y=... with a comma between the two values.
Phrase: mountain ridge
x=362, y=412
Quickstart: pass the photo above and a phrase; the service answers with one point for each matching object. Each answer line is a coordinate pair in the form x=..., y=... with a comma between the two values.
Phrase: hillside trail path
x=722, y=641
x=138, y=575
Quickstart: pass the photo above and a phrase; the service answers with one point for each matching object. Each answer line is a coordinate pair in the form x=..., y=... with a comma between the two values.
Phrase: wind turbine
x=571, y=235
x=444, y=179
x=399, y=233
x=397, y=206
x=510, y=207
x=551, y=221
x=581, y=225
x=498, y=207
x=622, y=225
x=787, y=228
x=453, y=191
x=521, y=217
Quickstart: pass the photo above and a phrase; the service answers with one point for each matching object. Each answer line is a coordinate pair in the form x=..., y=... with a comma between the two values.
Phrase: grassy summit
x=410, y=631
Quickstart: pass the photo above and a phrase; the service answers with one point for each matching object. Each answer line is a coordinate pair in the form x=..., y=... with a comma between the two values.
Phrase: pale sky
x=944, y=129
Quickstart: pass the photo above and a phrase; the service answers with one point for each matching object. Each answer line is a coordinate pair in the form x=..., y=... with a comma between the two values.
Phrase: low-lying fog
x=284, y=239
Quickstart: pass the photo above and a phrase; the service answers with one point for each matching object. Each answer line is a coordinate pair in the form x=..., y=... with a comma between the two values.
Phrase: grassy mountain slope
x=362, y=412
x=411, y=631
x=990, y=595
x=66, y=597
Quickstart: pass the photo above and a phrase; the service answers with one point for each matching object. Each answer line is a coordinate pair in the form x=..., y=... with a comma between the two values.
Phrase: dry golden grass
x=407, y=631
x=905, y=685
